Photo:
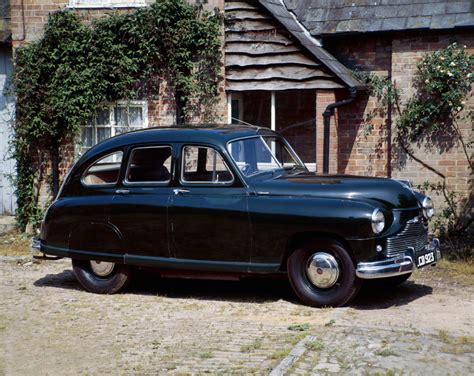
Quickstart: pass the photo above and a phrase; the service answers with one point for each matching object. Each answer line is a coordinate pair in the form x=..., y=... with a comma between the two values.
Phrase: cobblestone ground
x=49, y=325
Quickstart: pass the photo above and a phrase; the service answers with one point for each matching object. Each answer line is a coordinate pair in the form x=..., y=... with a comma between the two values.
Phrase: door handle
x=122, y=191
x=178, y=191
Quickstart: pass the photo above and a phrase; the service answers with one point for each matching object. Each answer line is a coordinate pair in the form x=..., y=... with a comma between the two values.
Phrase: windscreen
x=260, y=154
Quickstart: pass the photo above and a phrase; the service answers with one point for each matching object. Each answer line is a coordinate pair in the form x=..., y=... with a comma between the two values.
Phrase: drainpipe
x=328, y=112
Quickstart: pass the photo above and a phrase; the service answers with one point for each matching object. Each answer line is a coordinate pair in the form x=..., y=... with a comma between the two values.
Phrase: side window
x=149, y=165
x=204, y=165
x=104, y=171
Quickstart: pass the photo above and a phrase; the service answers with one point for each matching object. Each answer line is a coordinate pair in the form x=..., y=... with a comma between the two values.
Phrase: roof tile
x=323, y=17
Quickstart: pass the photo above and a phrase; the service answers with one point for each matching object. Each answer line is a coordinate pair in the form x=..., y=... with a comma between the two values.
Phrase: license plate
x=425, y=259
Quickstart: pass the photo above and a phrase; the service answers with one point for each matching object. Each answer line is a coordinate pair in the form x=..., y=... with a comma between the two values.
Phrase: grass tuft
x=299, y=327
x=317, y=345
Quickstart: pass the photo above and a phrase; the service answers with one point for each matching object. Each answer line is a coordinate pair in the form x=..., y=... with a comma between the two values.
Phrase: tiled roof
x=281, y=13
x=323, y=17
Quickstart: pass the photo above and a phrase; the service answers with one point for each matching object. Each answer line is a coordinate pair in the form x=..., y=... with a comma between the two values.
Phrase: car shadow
x=375, y=295
x=64, y=280
x=257, y=290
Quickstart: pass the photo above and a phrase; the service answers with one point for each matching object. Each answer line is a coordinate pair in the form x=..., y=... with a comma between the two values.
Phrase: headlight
x=378, y=221
x=428, y=207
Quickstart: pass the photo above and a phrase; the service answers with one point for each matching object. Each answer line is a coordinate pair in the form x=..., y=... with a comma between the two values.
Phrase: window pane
x=202, y=165
x=135, y=116
x=150, y=165
x=104, y=171
x=121, y=116
x=103, y=134
x=87, y=137
x=120, y=130
x=103, y=116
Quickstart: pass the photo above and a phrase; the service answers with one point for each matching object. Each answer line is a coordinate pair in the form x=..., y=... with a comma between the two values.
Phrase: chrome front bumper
x=397, y=265
x=36, y=245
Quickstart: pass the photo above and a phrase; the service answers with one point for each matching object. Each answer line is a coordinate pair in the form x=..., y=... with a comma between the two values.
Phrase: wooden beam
x=237, y=5
x=293, y=72
x=281, y=85
x=247, y=15
x=253, y=36
x=258, y=48
x=245, y=61
x=250, y=25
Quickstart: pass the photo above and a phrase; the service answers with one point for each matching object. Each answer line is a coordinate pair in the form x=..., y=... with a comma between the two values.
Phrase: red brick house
x=286, y=61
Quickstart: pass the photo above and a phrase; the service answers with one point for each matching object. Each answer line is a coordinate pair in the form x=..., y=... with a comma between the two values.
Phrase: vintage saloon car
x=229, y=201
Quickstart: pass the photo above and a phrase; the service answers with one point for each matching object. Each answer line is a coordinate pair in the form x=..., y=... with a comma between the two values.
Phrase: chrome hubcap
x=322, y=270
x=102, y=268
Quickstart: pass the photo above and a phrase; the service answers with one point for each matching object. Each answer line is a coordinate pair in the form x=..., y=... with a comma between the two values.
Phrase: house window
x=113, y=119
x=106, y=3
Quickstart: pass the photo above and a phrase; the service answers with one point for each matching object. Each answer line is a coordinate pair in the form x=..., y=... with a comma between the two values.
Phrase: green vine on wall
x=61, y=79
x=431, y=118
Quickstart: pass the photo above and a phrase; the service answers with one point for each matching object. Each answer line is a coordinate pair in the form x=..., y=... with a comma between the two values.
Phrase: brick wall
x=367, y=153
x=359, y=151
x=452, y=162
x=323, y=99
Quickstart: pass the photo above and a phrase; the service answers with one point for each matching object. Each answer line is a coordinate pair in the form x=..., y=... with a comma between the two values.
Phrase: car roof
x=215, y=134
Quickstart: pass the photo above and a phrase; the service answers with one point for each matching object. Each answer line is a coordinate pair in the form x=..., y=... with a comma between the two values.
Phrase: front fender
x=276, y=219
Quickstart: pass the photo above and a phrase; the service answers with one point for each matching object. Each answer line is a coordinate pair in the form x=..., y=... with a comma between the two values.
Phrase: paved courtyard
x=49, y=325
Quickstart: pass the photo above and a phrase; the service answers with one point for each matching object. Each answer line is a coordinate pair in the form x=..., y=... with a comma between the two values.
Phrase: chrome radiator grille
x=414, y=235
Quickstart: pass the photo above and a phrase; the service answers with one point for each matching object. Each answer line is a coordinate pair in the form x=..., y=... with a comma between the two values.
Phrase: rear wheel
x=322, y=274
x=101, y=277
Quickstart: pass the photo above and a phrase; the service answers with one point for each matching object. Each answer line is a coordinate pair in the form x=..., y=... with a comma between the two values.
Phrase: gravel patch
x=49, y=325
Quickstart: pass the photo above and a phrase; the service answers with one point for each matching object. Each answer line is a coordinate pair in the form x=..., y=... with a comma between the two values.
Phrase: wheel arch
x=100, y=237
x=296, y=240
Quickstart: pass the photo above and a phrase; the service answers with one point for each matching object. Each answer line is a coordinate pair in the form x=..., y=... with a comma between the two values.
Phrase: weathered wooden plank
x=247, y=15
x=281, y=85
x=260, y=36
x=237, y=5
x=293, y=72
x=245, y=60
x=260, y=48
x=7, y=165
x=250, y=25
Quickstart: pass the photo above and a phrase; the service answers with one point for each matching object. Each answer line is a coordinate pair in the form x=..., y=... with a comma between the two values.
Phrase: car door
x=209, y=216
x=81, y=215
x=140, y=206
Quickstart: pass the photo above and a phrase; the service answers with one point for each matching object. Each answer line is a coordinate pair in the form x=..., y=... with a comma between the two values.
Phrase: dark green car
x=228, y=201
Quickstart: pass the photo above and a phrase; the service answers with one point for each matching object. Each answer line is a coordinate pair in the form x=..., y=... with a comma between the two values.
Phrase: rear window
x=104, y=171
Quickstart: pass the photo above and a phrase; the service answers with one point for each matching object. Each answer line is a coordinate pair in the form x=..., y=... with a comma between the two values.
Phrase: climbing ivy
x=430, y=118
x=61, y=79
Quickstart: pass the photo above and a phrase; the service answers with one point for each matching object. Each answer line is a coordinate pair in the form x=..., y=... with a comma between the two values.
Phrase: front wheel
x=101, y=277
x=322, y=274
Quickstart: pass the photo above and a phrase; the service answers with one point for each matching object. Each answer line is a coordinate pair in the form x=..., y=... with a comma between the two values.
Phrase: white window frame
x=80, y=148
x=103, y=4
